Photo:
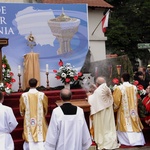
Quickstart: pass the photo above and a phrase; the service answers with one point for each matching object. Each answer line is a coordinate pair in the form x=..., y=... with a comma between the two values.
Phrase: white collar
x=127, y=84
x=33, y=90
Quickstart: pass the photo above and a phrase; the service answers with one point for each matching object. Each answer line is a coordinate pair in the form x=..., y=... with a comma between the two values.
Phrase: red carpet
x=53, y=95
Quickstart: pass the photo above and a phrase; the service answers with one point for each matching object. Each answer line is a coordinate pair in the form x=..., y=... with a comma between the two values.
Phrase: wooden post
x=3, y=42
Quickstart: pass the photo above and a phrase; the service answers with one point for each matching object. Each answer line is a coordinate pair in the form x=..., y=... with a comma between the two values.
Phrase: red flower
x=115, y=81
x=140, y=87
x=11, y=73
x=57, y=77
x=3, y=65
x=79, y=74
x=60, y=63
x=8, y=85
x=75, y=78
x=13, y=80
x=135, y=83
x=55, y=71
x=67, y=80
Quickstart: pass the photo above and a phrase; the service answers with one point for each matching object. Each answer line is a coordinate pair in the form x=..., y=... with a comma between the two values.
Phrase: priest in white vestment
x=103, y=127
x=129, y=126
x=67, y=129
x=8, y=123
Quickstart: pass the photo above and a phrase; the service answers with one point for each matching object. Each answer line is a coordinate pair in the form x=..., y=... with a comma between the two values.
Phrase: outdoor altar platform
x=78, y=99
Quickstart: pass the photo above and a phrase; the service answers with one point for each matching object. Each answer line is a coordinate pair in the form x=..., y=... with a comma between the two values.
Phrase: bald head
x=65, y=94
x=100, y=80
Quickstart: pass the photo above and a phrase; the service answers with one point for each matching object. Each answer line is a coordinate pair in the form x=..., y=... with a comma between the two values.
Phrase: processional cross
x=3, y=42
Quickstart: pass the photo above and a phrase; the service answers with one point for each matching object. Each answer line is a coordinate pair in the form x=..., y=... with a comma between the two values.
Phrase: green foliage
x=5, y=71
x=129, y=24
x=7, y=77
x=108, y=69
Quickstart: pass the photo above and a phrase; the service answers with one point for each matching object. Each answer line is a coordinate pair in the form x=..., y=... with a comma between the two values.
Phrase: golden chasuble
x=34, y=107
x=125, y=103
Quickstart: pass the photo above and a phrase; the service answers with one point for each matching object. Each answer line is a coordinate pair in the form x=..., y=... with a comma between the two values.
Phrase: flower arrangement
x=141, y=108
x=67, y=73
x=140, y=88
x=7, y=77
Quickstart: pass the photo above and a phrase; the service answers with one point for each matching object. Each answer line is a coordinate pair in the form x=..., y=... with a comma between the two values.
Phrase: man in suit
x=67, y=129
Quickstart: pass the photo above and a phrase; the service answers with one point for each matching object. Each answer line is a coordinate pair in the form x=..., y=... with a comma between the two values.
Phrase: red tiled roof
x=91, y=3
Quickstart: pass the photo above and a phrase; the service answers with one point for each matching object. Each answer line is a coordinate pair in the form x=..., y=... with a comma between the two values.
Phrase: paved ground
x=128, y=148
x=136, y=148
x=133, y=148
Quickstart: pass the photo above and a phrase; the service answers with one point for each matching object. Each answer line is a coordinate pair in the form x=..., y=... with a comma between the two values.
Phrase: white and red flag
x=105, y=21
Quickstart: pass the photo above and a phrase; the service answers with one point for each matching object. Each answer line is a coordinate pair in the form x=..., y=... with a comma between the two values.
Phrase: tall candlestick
x=20, y=89
x=19, y=69
x=46, y=67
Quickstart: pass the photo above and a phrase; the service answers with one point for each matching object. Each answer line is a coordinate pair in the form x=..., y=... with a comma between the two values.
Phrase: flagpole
x=97, y=26
x=100, y=22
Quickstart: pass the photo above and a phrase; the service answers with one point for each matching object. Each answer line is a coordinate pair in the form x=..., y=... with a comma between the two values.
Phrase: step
x=18, y=144
x=51, y=100
x=17, y=134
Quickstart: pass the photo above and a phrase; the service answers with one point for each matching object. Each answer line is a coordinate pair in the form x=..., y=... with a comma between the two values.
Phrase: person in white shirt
x=67, y=129
x=8, y=123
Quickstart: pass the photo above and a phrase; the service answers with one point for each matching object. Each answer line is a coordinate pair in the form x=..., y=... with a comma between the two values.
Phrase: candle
x=46, y=67
x=19, y=69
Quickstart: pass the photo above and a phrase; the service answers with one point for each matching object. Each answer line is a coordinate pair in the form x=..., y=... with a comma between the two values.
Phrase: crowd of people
x=114, y=118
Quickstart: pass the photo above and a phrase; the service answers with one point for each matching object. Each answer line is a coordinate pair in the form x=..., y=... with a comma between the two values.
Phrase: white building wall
x=96, y=40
